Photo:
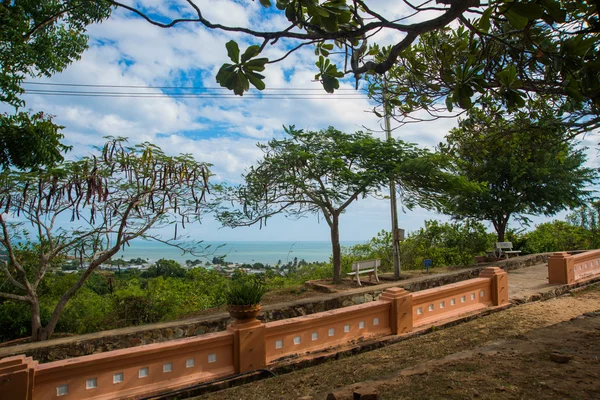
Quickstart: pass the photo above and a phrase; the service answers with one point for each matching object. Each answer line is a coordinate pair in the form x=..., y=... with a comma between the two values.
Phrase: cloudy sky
x=127, y=51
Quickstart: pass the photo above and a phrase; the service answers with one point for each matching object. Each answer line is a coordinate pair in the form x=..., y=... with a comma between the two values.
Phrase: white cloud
x=221, y=131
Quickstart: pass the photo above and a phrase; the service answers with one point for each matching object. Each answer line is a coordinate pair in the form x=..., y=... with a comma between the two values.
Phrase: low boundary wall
x=564, y=268
x=246, y=346
x=76, y=346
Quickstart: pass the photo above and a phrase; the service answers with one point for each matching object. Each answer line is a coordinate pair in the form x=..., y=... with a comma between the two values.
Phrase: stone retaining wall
x=75, y=346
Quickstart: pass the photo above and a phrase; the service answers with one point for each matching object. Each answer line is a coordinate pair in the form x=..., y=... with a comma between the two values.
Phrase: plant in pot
x=243, y=298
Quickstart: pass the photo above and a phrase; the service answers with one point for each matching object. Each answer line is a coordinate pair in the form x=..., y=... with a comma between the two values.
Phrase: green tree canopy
x=523, y=161
x=38, y=38
x=323, y=173
x=166, y=268
x=517, y=46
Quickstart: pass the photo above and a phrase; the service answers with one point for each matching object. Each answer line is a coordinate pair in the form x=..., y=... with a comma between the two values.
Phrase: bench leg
x=376, y=277
x=358, y=279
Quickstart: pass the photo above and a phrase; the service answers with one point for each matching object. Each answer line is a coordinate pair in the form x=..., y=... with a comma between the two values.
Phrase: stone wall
x=75, y=346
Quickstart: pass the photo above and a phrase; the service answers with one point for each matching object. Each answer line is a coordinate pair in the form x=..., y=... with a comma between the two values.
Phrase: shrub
x=557, y=236
x=245, y=292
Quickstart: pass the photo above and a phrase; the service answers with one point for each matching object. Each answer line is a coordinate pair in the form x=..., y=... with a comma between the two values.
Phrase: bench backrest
x=365, y=264
x=503, y=245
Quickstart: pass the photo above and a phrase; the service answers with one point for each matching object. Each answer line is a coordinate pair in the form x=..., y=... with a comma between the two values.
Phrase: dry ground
x=505, y=355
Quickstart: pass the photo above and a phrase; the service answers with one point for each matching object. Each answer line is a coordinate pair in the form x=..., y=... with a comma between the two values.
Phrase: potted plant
x=243, y=298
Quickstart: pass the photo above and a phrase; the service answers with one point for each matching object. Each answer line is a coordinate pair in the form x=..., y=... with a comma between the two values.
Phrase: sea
x=235, y=251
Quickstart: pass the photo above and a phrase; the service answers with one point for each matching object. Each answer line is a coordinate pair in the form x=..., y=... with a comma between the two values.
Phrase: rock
x=347, y=303
x=342, y=394
x=365, y=393
x=179, y=333
x=199, y=331
x=560, y=358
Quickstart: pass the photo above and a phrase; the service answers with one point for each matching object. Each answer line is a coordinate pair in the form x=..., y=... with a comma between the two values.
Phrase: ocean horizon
x=266, y=252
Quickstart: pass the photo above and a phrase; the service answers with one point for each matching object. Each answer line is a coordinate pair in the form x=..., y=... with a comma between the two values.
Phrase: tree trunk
x=37, y=332
x=501, y=227
x=336, y=249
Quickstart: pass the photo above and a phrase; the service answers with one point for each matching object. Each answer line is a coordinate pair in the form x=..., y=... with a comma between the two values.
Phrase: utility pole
x=393, y=205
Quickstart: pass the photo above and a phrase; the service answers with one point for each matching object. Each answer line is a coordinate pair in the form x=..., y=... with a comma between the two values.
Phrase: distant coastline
x=266, y=252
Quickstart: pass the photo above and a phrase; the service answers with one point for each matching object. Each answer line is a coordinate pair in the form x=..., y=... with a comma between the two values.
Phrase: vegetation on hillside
x=118, y=299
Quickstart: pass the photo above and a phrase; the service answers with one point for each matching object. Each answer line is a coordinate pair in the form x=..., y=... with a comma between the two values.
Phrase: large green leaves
x=244, y=70
x=328, y=74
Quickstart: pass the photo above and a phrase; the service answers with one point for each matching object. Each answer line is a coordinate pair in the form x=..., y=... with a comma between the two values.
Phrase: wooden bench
x=365, y=267
x=503, y=249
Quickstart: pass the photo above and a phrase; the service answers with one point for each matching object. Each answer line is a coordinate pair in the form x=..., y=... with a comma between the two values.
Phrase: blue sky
x=126, y=50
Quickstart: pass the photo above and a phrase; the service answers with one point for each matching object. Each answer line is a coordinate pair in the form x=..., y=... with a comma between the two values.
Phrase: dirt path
x=517, y=374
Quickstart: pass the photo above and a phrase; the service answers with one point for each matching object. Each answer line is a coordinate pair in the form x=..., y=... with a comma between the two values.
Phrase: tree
x=523, y=162
x=166, y=268
x=111, y=199
x=547, y=40
x=323, y=173
x=454, y=68
x=38, y=38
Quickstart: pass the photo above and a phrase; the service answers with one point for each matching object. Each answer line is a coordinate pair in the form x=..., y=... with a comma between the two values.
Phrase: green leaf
x=530, y=11
x=233, y=51
x=258, y=64
x=516, y=20
x=449, y=104
x=250, y=52
x=265, y=3
x=484, y=22
x=256, y=80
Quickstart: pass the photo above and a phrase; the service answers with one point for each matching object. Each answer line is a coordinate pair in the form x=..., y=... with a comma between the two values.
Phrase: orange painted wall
x=586, y=264
x=159, y=367
x=326, y=329
x=448, y=301
x=51, y=378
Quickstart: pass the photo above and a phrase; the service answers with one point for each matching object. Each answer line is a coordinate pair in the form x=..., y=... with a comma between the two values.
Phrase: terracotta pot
x=244, y=312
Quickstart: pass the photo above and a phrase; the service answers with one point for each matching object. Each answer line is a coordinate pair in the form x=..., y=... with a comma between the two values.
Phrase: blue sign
x=428, y=263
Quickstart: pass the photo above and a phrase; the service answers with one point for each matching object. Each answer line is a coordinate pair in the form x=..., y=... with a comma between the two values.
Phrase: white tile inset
x=463, y=299
x=190, y=362
x=482, y=293
x=452, y=302
x=430, y=308
x=297, y=339
x=118, y=377
x=472, y=296
x=375, y=321
x=167, y=367
x=315, y=335
x=361, y=325
x=331, y=331
x=279, y=344
x=419, y=311
x=143, y=372
x=442, y=304
x=62, y=390
x=212, y=358
x=91, y=383
x=347, y=328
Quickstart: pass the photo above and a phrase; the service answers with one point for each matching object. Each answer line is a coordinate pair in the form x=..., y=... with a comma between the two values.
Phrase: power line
x=252, y=95
x=175, y=87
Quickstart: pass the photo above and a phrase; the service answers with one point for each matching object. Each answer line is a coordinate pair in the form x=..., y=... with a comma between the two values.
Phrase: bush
x=245, y=291
x=445, y=244
x=557, y=236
